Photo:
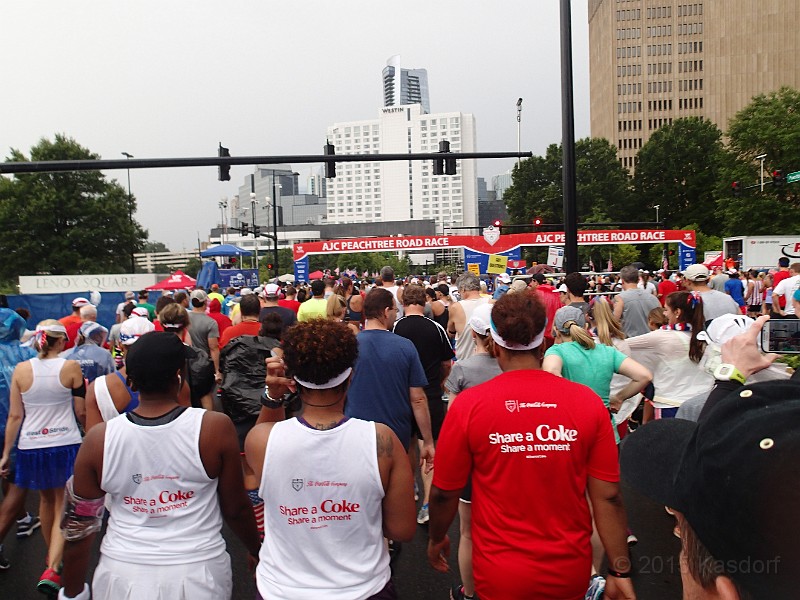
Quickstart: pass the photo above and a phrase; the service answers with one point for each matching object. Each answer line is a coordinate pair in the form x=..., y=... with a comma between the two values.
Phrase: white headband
x=52, y=329
x=535, y=343
x=331, y=383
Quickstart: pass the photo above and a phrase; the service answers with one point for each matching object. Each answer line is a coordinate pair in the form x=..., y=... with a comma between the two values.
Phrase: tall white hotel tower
x=365, y=192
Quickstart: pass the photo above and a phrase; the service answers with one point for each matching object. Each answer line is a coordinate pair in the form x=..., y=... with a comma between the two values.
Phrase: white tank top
x=49, y=418
x=164, y=507
x=394, y=291
x=465, y=345
x=323, y=532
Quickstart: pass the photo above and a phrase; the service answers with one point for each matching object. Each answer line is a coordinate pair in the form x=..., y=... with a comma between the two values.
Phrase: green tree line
x=687, y=169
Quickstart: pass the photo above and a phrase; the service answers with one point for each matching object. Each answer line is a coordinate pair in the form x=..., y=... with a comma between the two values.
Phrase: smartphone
x=781, y=336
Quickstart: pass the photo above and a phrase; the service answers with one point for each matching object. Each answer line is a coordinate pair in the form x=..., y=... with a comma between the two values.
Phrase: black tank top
x=350, y=314
x=443, y=318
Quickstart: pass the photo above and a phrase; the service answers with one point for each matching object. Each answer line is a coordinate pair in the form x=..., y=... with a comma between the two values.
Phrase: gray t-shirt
x=202, y=328
x=470, y=372
x=717, y=303
x=636, y=310
x=718, y=282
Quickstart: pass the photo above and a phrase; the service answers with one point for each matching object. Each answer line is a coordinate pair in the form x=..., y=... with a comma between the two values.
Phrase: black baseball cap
x=735, y=476
x=156, y=355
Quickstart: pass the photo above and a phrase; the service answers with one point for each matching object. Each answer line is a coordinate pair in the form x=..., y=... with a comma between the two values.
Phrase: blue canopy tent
x=225, y=250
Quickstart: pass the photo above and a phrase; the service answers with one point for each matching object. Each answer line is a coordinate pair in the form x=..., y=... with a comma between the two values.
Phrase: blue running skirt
x=45, y=468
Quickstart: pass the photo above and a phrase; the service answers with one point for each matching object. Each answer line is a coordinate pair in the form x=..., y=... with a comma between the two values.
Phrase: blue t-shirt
x=387, y=366
x=734, y=288
x=94, y=360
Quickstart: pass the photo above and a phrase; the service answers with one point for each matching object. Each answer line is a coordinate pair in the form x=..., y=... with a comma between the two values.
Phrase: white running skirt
x=206, y=580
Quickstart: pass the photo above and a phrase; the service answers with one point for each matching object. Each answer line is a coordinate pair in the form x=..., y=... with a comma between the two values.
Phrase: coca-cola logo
x=339, y=506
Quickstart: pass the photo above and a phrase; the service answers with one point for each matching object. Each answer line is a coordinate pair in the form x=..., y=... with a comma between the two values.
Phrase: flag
x=610, y=266
x=336, y=270
x=591, y=264
x=664, y=261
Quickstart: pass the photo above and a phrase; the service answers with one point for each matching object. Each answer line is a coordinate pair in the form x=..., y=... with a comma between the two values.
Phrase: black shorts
x=436, y=408
x=242, y=429
x=466, y=493
x=754, y=308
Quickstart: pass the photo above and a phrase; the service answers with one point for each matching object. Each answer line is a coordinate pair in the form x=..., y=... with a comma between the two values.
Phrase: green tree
x=602, y=185
x=154, y=247
x=678, y=170
x=193, y=266
x=66, y=222
x=769, y=125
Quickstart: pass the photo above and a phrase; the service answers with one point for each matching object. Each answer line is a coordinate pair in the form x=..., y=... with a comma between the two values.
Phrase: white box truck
x=761, y=251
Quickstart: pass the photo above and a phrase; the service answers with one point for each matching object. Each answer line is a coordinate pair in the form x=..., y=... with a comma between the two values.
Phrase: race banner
x=503, y=245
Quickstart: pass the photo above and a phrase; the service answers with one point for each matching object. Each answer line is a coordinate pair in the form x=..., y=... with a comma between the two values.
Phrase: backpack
x=243, y=366
x=200, y=374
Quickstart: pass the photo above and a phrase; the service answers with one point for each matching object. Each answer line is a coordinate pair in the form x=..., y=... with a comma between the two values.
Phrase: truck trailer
x=761, y=251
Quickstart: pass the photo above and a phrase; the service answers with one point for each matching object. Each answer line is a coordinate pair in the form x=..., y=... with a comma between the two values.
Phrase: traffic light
x=256, y=230
x=449, y=162
x=737, y=189
x=537, y=222
x=245, y=228
x=497, y=223
x=777, y=178
x=330, y=166
x=224, y=170
x=672, y=252
x=270, y=267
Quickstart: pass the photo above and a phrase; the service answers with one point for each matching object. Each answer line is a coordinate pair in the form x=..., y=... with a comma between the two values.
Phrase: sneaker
x=457, y=593
x=26, y=526
x=597, y=587
x=4, y=564
x=50, y=583
x=423, y=516
x=632, y=540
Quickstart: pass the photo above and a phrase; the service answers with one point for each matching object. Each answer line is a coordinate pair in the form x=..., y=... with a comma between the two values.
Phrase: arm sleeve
x=455, y=381
x=619, y=358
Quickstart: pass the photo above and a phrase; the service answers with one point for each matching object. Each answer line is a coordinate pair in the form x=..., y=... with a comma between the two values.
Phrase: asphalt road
x=655, y=560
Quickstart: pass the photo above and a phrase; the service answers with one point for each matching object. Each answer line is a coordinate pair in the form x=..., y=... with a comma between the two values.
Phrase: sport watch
x=727, y=372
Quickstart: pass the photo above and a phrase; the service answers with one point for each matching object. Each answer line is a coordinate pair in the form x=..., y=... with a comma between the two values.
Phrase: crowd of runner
x=309, y=419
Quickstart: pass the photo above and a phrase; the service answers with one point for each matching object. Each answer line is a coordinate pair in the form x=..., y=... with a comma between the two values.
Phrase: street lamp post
x=130, y=208
x=253, y=203
x=519, y=125
x=761, y=157
x=657, y=206
x=275, y=222
x=223, y=205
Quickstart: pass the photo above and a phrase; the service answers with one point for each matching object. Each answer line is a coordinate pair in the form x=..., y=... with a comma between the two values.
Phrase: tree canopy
x=67, y=222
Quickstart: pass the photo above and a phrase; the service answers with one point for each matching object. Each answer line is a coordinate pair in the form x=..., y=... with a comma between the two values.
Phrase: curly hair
x=319, y=350
x=519, y=318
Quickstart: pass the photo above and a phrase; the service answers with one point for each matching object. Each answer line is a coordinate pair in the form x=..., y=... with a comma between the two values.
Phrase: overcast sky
x=172, y=79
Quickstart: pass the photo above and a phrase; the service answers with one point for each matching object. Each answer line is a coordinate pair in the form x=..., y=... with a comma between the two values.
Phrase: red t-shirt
x=552, y=302
x=776, y=279
x=665, y=288
x=293, y=304
x=530, y=440
x=243, y=328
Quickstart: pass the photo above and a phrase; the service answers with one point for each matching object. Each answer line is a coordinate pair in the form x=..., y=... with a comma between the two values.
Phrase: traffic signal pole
x=568, y=143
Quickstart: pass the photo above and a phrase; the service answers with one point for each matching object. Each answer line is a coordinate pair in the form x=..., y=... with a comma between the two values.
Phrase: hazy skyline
x=163, y=80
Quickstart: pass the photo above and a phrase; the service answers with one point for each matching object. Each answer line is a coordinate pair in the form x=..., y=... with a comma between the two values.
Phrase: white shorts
x=205, y=580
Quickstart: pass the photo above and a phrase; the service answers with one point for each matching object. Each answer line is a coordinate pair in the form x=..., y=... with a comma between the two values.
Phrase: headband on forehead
x=535, y=343
x=56, y=328
x=331, y=383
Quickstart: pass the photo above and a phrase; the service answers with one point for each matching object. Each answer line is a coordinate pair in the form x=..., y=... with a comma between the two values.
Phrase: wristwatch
x=727, y=372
